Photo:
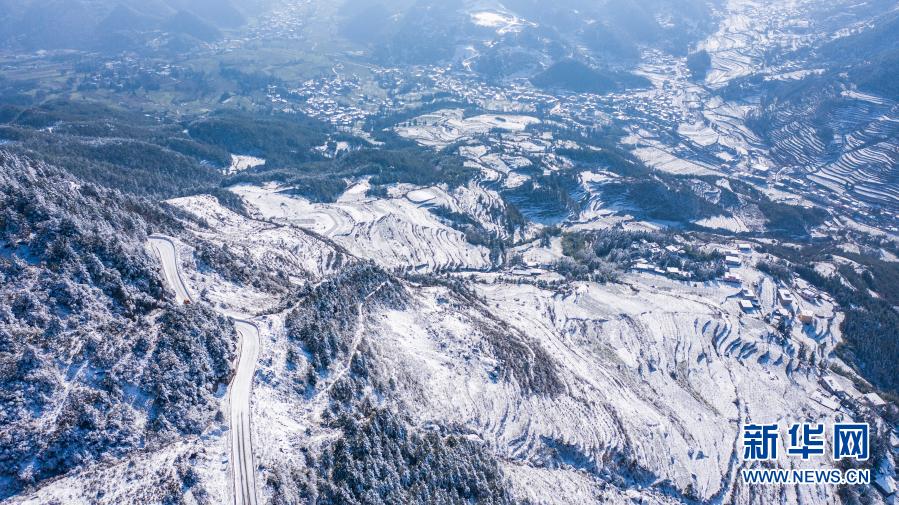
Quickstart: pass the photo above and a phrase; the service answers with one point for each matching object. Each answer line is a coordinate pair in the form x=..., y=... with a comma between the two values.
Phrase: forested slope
x=95, y=361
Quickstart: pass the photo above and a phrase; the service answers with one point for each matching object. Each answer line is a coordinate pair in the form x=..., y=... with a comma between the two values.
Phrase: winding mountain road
x=165, y=249
x=243, y=468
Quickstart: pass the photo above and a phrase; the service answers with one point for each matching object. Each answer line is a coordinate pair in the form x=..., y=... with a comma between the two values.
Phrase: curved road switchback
x=243, y=468
x=168, y=256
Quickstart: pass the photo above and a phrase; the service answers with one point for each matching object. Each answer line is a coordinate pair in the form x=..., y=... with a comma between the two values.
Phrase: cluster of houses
x=337, y=99
x=676, y=273
x=787, y=307
x=733, y=259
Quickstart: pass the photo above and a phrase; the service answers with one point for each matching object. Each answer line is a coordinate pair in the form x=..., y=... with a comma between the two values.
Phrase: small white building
x=785, y=297
x=643, y=266
x=674, y=271
x=809, y=294
x=732, y=279
x=831, y=385
x=826, y=401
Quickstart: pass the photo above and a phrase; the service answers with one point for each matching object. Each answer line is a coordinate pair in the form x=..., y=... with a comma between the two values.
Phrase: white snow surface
x=730, y=223
x=395, y=233
x=142, y=477
x=441, y=128
x=303, y=256
x=666, y=374
x=240, y=162
x=654, y=372
x=502, y=22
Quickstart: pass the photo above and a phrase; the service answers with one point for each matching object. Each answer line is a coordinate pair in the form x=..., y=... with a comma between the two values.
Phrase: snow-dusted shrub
x=326, y=316
x=381, y=459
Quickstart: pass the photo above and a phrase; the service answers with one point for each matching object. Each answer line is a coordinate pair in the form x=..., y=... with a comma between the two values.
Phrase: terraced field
x=395, y=233
x=868, y=161
x=615, y=352
x=859, y=160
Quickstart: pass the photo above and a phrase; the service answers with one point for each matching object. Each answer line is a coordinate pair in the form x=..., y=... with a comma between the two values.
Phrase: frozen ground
x=657, y=156
x=652, y=374
x=264, y=245
x=729, y=223
x=650, y=379
x=441, y=128
x=145, y=477
x=502, y=22
x=585, y=392
x=397, y=233
x=239, y=163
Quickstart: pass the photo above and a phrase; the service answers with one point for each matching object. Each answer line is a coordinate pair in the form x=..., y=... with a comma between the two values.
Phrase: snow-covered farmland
x=653, y=374
x=658, y=157
x=259, y=245
x=441, y=128
x=395, y=232
x=502, y=22
x=729, y=223
x=239, y=163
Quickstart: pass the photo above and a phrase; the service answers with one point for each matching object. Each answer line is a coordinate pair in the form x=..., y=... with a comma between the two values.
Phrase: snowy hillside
x=100, y=365
x=391, y=252
x=559, y=385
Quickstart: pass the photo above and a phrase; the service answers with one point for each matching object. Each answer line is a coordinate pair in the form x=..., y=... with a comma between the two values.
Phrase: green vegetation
x=381, y=458
x=880, y=76
x=572, y=75
x=283, y=140
x=164, y=158
x=323, y=322
x=114, y=148
x=547, y=199
x=699, y=63
x=78, y=288
x=610, y=42
x=682, y=199
x=671, y=200
x=473, y=230
x=325, y=180
x=132, y=166
x=790, y=220
x=876, y=72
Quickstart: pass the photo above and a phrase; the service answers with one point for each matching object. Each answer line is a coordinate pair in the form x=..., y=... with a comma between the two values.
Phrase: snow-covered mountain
x=99, y=365
x=378, y=252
